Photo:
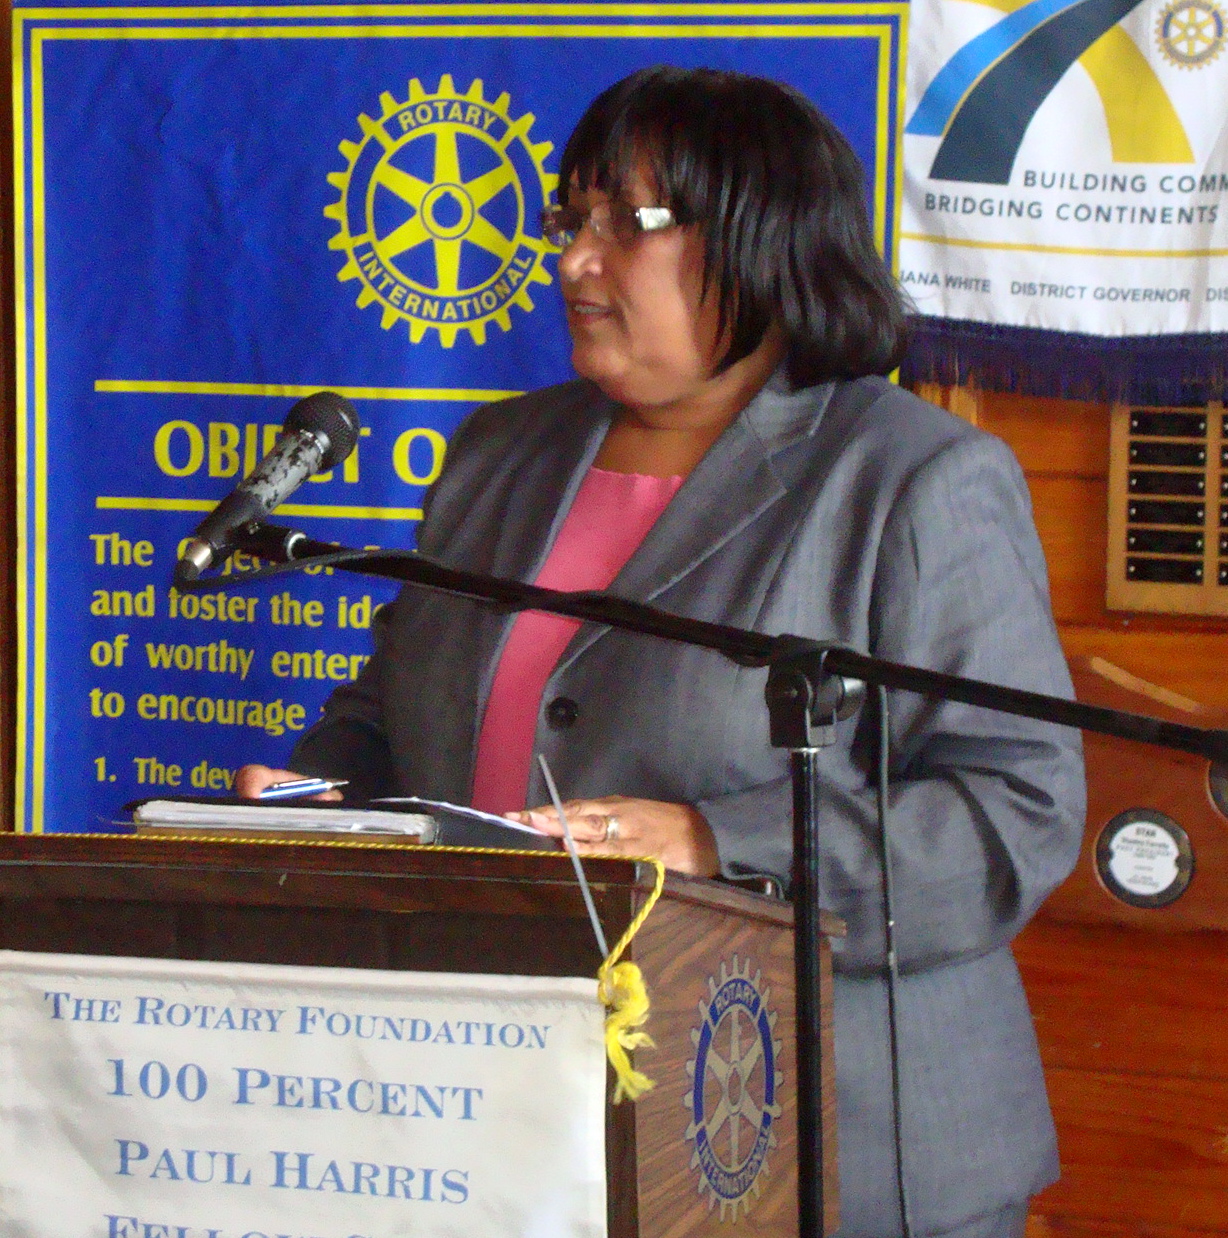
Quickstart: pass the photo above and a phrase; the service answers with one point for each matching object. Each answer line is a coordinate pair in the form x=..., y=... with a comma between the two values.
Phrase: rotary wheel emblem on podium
x=735, y=1082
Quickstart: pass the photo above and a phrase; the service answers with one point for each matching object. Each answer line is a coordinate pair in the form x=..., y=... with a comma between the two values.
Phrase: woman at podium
x=731, y=452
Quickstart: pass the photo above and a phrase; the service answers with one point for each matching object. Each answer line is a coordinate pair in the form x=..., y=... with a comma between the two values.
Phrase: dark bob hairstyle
x=779, y=197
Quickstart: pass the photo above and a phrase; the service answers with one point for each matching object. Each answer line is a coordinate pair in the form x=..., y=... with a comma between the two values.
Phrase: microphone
x=319, y=433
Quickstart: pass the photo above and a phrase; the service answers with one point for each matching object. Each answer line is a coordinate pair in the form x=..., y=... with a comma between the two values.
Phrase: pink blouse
x=610, y=517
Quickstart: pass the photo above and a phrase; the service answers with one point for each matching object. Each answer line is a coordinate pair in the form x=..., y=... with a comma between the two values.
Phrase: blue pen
x=301, y=786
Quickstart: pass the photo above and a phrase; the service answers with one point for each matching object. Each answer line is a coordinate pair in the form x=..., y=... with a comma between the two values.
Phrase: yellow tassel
x=622, y=991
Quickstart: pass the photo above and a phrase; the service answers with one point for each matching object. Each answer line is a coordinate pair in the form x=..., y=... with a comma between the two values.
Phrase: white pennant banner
x=1066, y=164
x=159, y=1099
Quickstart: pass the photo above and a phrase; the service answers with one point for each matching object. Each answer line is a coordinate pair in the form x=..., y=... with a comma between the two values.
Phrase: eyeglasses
x=609, y=221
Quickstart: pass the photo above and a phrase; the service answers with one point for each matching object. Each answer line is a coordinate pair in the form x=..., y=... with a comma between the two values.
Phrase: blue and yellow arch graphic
x=983, y=99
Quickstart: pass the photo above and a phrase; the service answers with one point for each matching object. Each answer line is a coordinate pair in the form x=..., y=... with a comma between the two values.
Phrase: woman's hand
x=252, y=779
x=677, y=834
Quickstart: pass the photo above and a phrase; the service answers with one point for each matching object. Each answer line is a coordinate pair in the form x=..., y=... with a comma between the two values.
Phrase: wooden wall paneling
x=1060, y=437
x=1050, y=437
x=964, y=402
x=1087, y=1227
x=1141, y=1149
x=1191, y=662
x=1063, y=446
x=1127, y=1001
x=1131, y=1004
x=1070, y=518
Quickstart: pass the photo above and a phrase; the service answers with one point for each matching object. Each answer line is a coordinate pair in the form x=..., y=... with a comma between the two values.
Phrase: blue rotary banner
x=220, y=210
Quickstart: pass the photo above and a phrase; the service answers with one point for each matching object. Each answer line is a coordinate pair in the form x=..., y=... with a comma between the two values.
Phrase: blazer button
x=562, y=713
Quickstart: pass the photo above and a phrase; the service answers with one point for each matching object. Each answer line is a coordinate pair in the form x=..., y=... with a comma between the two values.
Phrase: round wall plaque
x=1144, y=858
x=1217, y=778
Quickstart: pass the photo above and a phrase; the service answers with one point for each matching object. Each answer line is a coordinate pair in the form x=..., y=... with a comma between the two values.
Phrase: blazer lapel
x=542, y=486
x=731, y=486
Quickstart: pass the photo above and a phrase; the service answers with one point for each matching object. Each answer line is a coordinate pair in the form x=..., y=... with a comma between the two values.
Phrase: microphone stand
x=811, y=686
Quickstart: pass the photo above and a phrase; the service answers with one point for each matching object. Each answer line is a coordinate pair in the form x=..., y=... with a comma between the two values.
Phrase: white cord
x=575, y=856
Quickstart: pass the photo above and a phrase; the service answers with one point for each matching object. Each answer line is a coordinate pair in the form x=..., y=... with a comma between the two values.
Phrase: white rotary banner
x=1066, y=164
x=161, y=1099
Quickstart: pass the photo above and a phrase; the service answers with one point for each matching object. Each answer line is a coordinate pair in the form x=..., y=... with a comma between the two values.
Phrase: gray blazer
x=849, y=511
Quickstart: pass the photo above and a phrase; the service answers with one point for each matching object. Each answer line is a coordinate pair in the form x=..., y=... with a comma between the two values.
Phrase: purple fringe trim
x=1141, y=369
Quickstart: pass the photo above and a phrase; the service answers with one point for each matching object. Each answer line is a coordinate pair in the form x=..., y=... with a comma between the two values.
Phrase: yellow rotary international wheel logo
x=440, y=211
x=1190, y=33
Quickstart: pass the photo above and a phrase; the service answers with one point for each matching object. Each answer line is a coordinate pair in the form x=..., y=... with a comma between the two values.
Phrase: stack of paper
x=423, y=821
x=223, y=815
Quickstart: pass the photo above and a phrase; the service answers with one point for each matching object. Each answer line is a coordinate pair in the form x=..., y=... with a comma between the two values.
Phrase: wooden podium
x=390, y=906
